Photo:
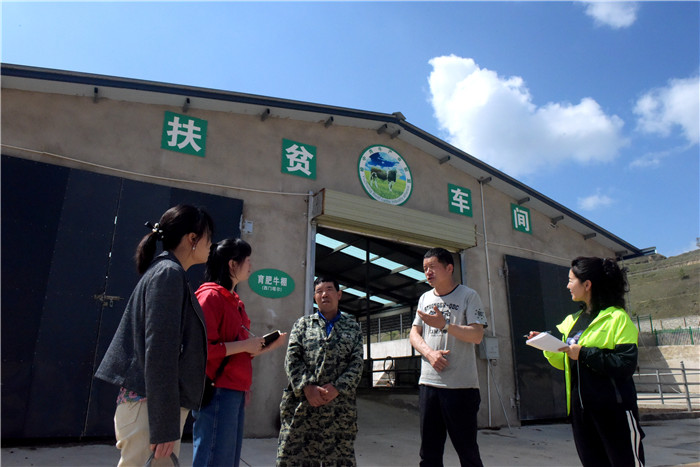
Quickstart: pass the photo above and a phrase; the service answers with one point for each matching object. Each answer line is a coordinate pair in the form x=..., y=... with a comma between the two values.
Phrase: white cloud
x=494, y=119
x=676, y=105
x=649, y=160
x=616, y=15
x=593, y=202
x=655, y=159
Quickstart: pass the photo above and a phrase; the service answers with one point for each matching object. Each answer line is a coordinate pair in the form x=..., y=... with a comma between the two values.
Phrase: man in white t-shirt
x=449, y=321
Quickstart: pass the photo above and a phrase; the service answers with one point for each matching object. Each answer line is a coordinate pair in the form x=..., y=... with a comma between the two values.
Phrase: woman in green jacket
x=599, y=361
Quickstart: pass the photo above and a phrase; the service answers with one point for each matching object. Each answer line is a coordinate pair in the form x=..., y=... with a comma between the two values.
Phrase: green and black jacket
x=606, y=363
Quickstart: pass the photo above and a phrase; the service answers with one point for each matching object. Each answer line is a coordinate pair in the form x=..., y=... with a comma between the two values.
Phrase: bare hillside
x=664, y=287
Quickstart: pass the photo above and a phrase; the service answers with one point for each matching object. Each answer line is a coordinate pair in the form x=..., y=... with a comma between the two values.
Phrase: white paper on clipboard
x=546, y=341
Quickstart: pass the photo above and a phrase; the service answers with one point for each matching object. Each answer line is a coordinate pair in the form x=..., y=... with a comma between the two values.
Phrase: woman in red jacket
x=218, y=426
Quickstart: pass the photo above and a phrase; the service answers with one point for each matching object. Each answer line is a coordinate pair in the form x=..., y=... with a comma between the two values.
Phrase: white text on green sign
x=271, y=283
x=460, y=199
x=521, y=218
x=182, y=133
x=298, y=159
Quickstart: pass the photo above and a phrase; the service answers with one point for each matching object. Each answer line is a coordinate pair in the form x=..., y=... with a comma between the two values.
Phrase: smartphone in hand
x=271, y=337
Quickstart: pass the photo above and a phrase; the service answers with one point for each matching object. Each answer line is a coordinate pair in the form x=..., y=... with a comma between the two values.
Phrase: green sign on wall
x=521, y=218
x=298, y=159
x=182, y=133
x=460, y=199
x=271, y=283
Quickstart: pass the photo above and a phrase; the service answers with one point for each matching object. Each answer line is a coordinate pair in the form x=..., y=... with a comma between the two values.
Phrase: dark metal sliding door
x=68, y=239
x=538, y=301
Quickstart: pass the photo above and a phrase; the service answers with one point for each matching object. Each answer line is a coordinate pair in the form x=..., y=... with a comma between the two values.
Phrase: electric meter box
x=488, y=349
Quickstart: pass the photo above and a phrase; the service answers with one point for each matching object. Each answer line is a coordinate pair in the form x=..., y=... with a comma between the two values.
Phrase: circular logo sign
x=384, y=174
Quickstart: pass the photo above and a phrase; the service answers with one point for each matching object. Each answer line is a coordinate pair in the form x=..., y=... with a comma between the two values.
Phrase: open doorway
x=381, y=283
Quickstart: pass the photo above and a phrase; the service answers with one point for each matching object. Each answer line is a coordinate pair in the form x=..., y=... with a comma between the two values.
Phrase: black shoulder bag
x=209, y=387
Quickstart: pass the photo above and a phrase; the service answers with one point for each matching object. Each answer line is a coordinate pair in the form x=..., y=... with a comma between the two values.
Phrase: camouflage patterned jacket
x=327, y=433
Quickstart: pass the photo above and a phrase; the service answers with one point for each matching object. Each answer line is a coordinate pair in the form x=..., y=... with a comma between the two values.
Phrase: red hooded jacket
x=226, y=321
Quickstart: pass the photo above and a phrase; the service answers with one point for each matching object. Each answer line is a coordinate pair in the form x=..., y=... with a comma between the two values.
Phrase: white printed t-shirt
x=462, y=306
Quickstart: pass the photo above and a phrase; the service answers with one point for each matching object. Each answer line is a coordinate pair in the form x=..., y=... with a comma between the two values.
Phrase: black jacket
x=604, y=377
x=160, y=348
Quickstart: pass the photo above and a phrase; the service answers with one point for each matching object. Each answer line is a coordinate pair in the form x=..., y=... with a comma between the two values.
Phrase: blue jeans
x=217, y=433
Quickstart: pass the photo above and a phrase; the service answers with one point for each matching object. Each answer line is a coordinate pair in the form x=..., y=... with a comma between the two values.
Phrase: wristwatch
x=446, y=326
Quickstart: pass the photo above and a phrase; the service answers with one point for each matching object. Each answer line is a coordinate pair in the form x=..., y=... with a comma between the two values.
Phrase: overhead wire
x=149, y=176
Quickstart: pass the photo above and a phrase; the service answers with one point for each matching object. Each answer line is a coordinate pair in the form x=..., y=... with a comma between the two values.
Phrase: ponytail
x=175, y=223
x=145, y=251
x=608, y=281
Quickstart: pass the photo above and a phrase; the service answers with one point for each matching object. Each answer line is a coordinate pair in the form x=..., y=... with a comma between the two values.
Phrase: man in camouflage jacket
x=324, y=366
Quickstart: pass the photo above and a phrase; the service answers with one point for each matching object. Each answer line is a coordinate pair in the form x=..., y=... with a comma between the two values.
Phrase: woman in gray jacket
x=159, y=352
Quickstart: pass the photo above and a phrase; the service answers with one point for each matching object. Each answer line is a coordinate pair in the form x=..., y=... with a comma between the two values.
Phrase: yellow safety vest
x=611, y=327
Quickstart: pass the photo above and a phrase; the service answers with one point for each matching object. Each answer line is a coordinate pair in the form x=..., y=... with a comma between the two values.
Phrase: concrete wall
x=667, y=359
x=240, y=153
x=244, y=152
x=556, y=246
x=395, y=348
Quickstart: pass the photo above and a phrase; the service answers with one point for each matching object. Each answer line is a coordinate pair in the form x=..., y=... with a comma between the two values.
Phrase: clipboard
x=546, y=341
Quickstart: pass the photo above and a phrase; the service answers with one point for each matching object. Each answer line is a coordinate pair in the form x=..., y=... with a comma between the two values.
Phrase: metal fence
x=687, y=336
x=388, y=328
x=668, y=385
x=392, y=372
x=648, y=323
x=670, y=331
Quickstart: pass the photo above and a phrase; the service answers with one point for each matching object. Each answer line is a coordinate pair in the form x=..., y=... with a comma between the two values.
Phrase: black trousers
x=453, y=412
x=606, y=437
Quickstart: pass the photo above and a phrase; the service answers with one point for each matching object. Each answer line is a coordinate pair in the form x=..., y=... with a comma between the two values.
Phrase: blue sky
x=595, y=105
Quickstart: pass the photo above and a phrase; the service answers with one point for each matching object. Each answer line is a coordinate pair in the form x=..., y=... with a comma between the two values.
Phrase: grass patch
x=382, y=187
x=664, y=287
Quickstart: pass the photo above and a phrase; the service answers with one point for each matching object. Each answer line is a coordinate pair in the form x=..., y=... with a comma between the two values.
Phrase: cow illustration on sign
x=384, y=175
x=379, y=174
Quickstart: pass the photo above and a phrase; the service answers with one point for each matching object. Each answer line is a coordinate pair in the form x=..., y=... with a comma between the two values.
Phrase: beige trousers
x=133, y=440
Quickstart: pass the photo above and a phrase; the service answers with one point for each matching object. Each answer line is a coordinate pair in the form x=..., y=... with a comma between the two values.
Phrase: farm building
x=87, y=159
